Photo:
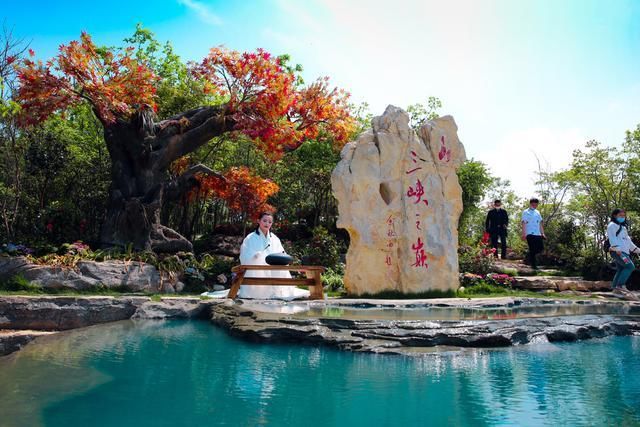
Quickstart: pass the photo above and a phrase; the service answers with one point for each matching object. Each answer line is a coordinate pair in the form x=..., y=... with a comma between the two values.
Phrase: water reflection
x=464, y=313
x=186, y=373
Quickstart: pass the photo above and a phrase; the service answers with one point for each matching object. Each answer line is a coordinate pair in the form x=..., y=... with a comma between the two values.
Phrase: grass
x=523, y=294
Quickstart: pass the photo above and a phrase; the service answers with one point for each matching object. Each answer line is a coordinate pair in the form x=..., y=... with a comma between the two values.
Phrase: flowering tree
x=261, y=99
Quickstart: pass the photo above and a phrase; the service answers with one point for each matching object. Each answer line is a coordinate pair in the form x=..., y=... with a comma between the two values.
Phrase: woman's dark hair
x=262, y=215
x=614, y=214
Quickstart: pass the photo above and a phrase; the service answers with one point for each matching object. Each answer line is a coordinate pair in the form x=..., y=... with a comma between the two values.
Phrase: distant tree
x=12, y=147
x=420, y=114
x=475, y=180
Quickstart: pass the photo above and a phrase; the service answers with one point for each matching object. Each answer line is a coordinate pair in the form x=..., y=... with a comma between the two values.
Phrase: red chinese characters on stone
x=418, y=192
x=414, y=159
x=445, y=153
x=421, y=256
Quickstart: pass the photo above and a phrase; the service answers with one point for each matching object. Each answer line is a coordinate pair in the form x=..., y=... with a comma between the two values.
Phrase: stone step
x=559, y=284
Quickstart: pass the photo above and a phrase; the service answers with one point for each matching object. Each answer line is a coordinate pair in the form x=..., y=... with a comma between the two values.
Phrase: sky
x=524, y=79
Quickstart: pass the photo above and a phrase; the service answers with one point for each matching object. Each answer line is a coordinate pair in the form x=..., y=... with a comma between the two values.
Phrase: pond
x=168, y=373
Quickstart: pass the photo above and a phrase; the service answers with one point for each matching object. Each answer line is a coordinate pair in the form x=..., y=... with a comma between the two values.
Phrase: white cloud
x=203, y=11
x=513, y=98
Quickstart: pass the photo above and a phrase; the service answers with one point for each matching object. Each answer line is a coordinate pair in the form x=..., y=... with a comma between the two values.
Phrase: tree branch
x=185, y=182
x=204, y=125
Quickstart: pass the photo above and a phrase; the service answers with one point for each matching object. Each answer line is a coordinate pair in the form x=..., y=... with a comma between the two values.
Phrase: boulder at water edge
x=400, y=200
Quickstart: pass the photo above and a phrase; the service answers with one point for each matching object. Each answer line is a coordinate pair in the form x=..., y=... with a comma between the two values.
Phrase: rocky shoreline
x=25, y=318
x=413, y=337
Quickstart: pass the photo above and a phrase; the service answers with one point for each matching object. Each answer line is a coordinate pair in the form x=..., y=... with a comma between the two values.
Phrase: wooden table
x=313, y=278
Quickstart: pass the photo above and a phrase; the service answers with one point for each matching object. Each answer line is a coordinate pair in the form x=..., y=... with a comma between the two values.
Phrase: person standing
x=621, y=248
x=496, y=225
x=533, y=231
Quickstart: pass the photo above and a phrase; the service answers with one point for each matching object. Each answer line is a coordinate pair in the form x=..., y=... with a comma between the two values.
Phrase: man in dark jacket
x=497, y=225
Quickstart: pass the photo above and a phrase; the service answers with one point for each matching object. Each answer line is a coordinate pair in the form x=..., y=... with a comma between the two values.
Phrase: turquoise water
x=179, y=373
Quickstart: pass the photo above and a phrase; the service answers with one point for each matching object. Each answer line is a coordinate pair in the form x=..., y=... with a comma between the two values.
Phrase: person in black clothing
x=497, y=225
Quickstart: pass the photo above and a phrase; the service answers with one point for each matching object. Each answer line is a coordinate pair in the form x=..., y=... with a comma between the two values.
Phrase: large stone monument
x=399, y=199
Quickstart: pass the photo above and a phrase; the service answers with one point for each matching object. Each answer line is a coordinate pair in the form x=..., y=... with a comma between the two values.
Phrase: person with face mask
x=496, y=225
x=621, y=247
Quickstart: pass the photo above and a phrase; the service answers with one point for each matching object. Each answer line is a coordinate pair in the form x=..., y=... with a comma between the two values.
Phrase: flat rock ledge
x=411, y=337
x=24, y=318
x=87, y=275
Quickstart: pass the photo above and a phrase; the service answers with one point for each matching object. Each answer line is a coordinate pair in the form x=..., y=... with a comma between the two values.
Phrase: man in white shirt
x=533, y=231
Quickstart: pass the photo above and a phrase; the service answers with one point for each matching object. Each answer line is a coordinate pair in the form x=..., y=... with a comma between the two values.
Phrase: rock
x=167, y=288
x=133, y=276
x=11, y=341
x=23, y=319
x=577, y=284
x=378, y=336
x=184, y=308
x=538, y=283
x=129, y=276
x=399, y=199
x=218, y=288
x=11, y=266
x=51, y=313
x=60, y=313
x=534, y=283
x=179, y=287
x=227, y=246
x=221, y=278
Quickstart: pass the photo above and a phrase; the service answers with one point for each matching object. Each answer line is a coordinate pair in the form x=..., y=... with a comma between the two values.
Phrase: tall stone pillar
x=400, y=200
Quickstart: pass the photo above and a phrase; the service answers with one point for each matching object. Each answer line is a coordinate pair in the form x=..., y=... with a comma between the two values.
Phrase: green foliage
x=475, y=179
x=419, y=114
x=322, y=249
x=333, y=279
x=483, y=288
x=177, y=90
x=477, y=259
x=304, y=177
x=491, y=279
x=566, y=240
x=19, y=284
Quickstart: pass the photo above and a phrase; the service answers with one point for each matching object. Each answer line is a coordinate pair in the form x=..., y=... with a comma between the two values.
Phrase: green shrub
x=19, y=284
x=333, y=281
x=476, y=259
x=322, y=249
x=482, y=288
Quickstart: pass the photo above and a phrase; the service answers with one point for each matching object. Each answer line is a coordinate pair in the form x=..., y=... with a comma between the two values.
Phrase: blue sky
x=522, y=78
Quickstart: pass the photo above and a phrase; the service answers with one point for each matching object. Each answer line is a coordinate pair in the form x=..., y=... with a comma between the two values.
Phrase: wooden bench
x=313, y=278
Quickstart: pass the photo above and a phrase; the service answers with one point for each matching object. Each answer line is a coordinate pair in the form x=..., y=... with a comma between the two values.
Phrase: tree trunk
x=141, y=152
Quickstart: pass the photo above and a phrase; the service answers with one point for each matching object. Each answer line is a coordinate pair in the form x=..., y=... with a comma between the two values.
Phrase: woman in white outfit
x=255, y=248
